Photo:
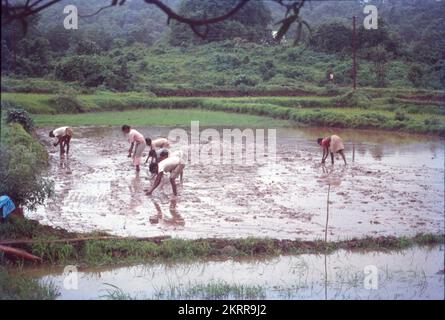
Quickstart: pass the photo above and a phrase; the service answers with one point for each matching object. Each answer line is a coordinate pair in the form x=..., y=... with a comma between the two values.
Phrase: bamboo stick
x=72, y=240
x=19, y=253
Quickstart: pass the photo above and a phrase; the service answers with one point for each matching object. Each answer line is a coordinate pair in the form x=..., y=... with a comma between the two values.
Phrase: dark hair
x=125, y=127
x=51, y=133
x=148, y=141
x=163, y=153
x=153, y=167
x=319, y=140
x=152, y=153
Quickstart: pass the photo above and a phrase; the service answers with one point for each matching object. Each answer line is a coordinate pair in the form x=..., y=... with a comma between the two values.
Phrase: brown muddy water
x=415, y=273
x=393, y=185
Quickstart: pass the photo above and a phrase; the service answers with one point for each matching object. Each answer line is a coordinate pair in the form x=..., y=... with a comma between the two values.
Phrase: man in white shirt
x=63, y=136
x=173, y=165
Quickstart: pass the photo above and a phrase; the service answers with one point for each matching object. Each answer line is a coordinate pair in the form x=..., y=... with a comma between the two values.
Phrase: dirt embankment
x=429, y=98
x=230, y=93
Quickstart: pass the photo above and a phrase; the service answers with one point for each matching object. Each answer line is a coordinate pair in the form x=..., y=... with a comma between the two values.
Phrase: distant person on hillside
x=172, y=165
x=137, y=141
x=63, y=136
x=332, y=144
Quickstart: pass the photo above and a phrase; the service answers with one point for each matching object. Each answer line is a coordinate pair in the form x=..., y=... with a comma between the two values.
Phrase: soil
x=393, y=187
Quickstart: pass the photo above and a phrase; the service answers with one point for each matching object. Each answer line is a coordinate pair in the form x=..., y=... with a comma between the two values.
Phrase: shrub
x=415, y=75
x=66, y=103
x=242, y=79
x=22, y=160
x=431, y=122
x=90, y=71
x=400, y=116
x=353, y=99
x=16, y=115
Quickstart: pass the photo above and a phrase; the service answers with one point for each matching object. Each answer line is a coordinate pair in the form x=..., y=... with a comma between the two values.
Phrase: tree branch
x=21, y=12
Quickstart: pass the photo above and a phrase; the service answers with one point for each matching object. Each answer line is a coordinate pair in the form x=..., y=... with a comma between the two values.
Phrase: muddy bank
x=234, y=93
x=340, y=275
x=393, y=185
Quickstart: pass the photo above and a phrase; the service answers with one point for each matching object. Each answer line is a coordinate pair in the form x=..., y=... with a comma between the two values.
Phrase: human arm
x=130, y=151
x=173, y=183
x=155, y=183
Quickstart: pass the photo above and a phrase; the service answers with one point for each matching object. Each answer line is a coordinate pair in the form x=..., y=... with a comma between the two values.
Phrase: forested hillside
x=131, y=47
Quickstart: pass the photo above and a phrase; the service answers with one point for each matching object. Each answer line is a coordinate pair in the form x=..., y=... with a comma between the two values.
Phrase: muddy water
x=392, y=185
x=416, y=273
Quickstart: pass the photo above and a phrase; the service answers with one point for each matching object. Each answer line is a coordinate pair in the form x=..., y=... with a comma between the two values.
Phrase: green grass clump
x=17, y=287
x=353, y=110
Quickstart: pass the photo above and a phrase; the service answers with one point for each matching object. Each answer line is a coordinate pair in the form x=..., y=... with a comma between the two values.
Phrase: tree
x=90, y=71
x=415, y=75
x=33, y=57
x=332, y=37
x=21, y=11
x=377, y=37
x=249, y=23
x=379, y=57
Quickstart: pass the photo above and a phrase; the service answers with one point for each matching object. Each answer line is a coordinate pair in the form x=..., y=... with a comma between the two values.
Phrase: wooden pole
x=19, y=253
x=73, y=240
x=327, y=216
x=354, y=61
x=325, y=252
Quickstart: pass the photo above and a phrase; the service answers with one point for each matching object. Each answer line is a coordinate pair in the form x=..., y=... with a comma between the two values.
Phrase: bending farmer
x=173, y=165
x=332, y=144
x=63, y=136
x=137, y=141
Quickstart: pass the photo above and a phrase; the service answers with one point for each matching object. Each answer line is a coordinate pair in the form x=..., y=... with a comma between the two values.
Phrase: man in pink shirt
x=137, y=141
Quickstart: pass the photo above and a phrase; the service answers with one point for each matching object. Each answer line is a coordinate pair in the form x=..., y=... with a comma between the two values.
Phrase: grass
x=158, y=117
x=122, y=251
x=215, y=290
x=359, y=111
x=17, y=287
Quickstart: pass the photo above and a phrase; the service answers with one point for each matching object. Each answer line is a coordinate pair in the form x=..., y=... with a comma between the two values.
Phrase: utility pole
x=354, y=61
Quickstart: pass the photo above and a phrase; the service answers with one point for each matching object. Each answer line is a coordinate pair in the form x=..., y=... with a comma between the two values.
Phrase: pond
x=416, y=273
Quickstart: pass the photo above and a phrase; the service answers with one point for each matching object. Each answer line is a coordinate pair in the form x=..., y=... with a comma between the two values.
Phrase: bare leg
x=343, y=156
x=62, y=148
x=173, y=182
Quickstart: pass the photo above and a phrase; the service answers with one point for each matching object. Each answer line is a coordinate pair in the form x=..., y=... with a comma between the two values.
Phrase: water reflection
x=175, y=218
x=408, y=274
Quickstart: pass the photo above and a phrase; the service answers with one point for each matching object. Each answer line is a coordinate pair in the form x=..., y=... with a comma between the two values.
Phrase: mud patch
x=393, y=185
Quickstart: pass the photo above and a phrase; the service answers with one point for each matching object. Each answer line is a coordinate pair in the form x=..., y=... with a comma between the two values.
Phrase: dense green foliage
x=127, y=250
x=20, y=116
x=22, y=161
x=126, y=48
x=361, y=109
x=17, y=287
x=250, y=23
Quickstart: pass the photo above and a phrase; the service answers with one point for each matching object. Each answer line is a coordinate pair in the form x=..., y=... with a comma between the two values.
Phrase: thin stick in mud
x=327, y=216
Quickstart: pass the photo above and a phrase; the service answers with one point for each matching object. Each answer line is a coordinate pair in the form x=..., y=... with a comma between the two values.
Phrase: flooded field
x=393, y=185
x=340, y=275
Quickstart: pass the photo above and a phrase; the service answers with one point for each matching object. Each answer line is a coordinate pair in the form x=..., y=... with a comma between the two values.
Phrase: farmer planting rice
x=155, y=156
x=332, y=144
x=157, y=143
x=160, y=143
x=137, y=141
x=173, y=165
x=63, y=136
